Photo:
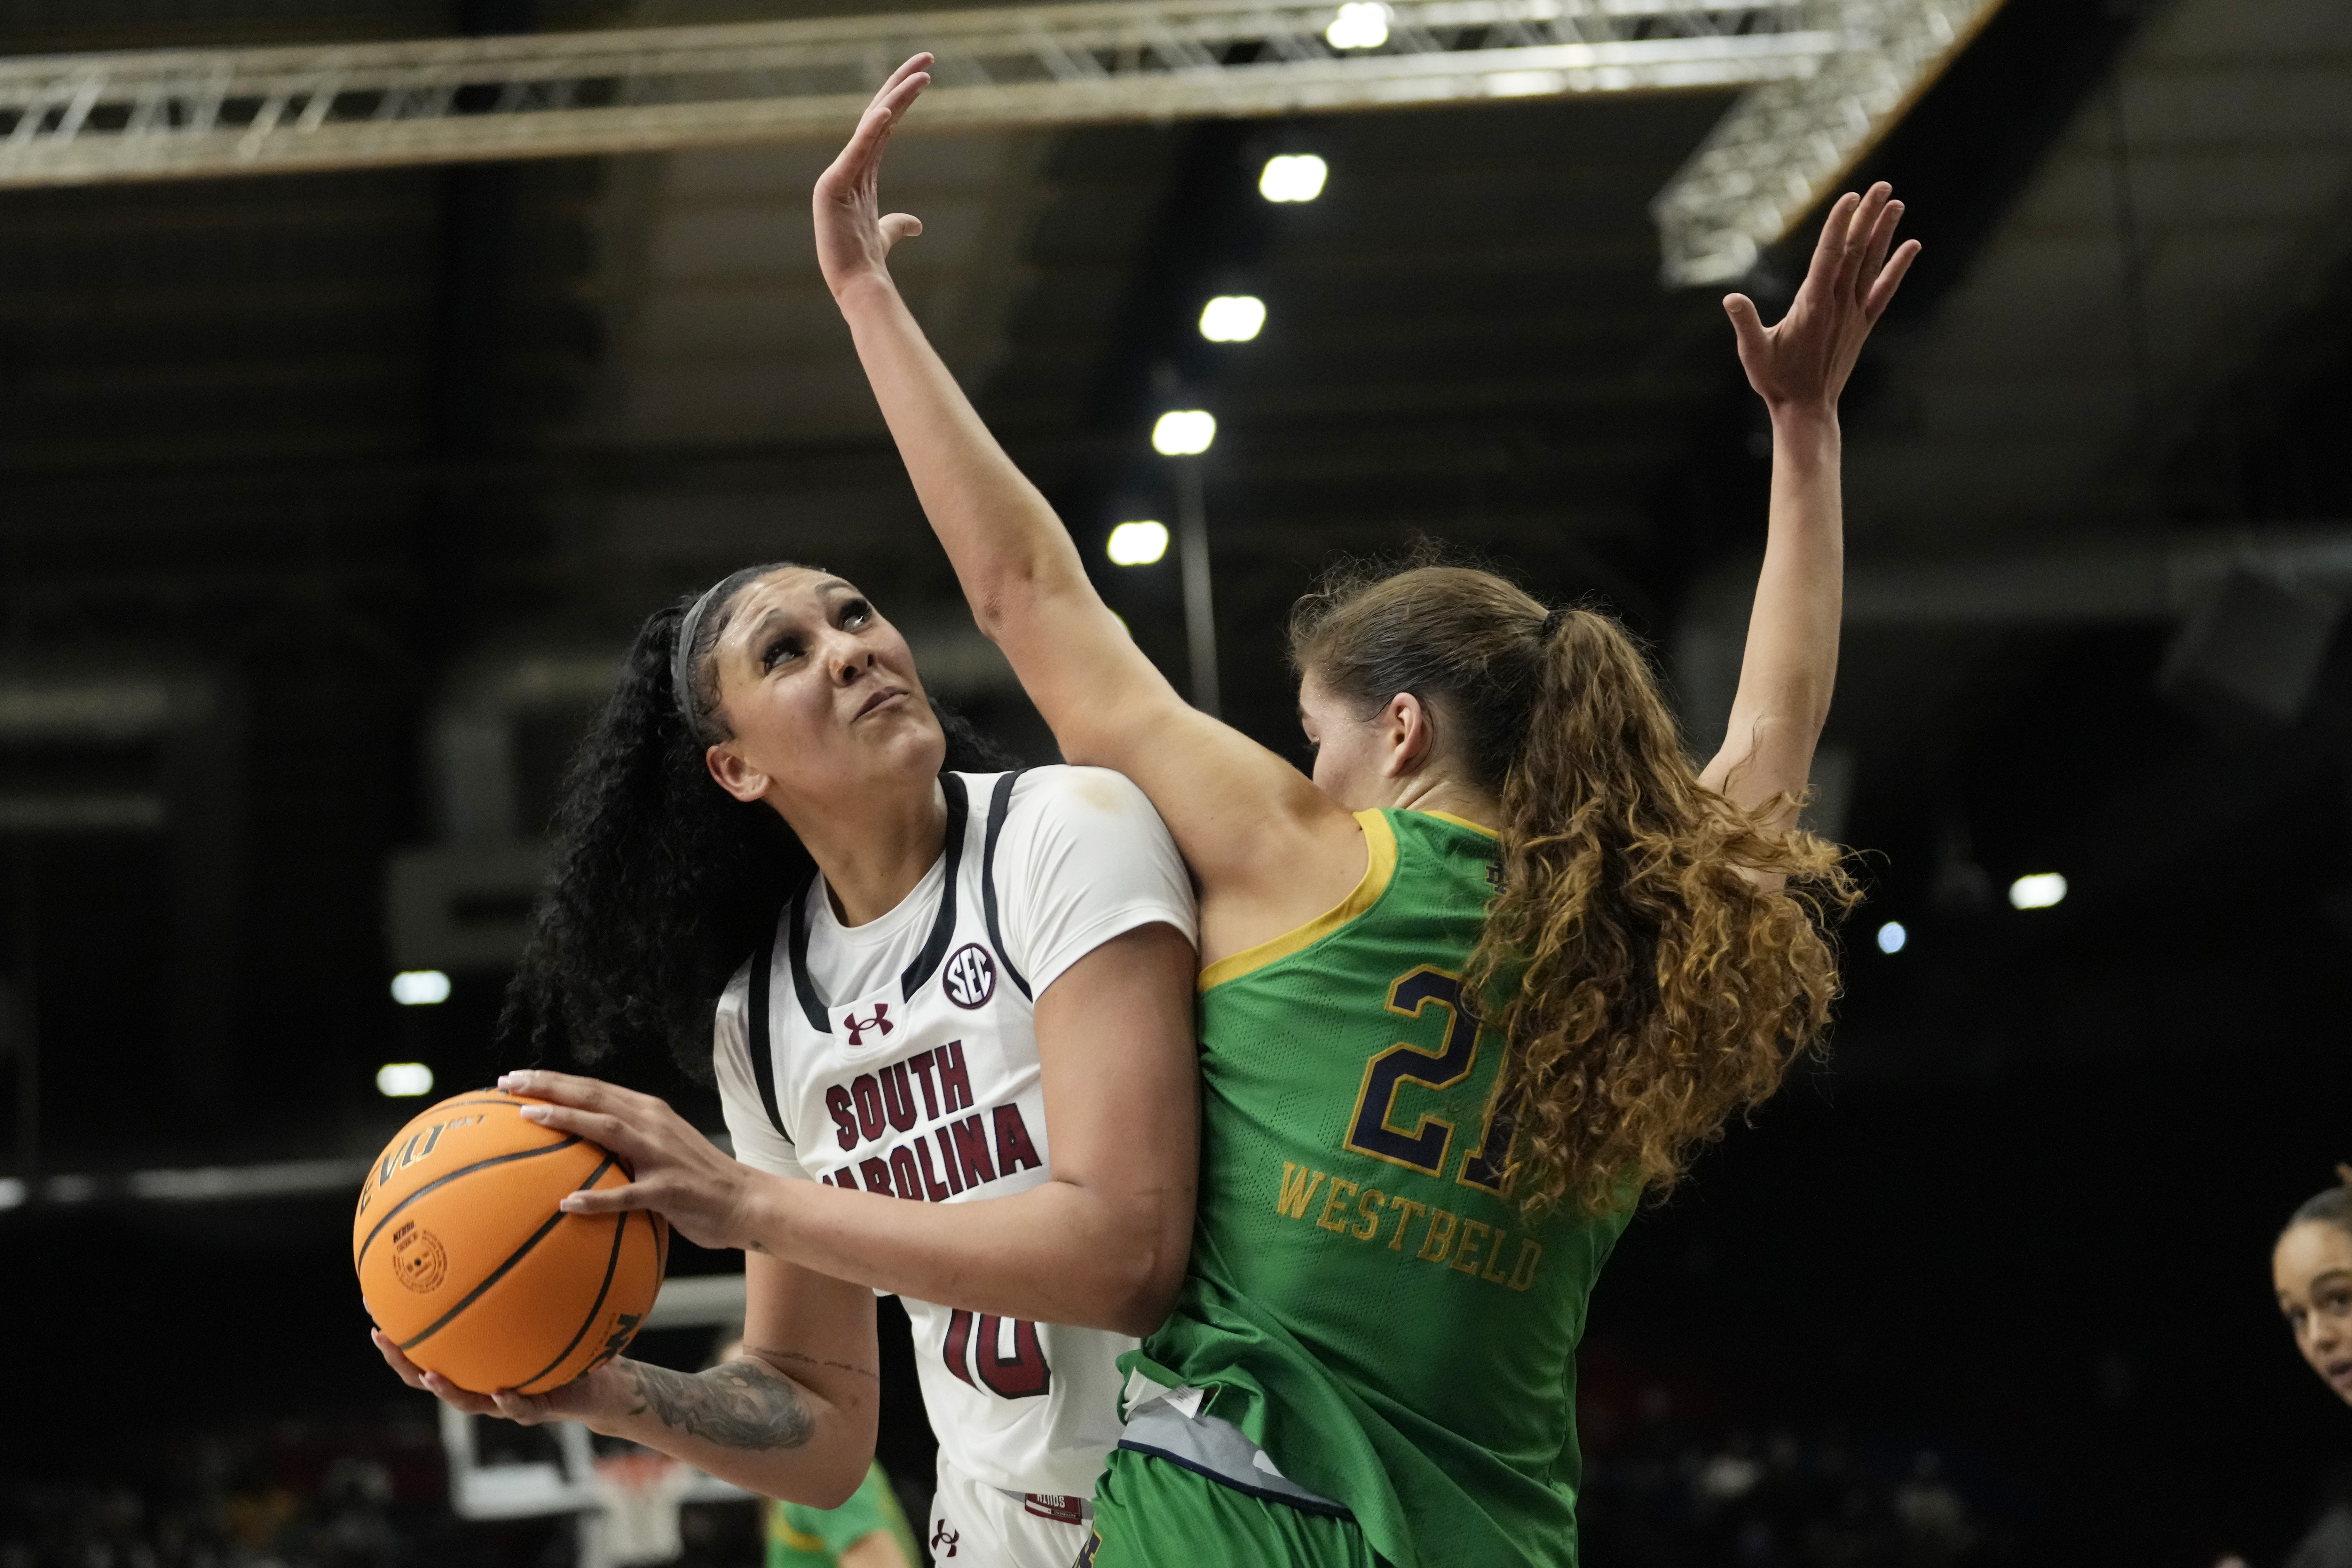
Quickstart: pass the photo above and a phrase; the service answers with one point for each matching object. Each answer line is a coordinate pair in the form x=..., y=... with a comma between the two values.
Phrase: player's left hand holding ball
x=674, y=1170
x=588, y=1398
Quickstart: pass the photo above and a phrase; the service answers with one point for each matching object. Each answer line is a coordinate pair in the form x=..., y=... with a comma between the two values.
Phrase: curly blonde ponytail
x=1650, y=978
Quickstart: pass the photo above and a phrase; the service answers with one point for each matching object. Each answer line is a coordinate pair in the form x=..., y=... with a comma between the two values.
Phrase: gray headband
x=681, y=658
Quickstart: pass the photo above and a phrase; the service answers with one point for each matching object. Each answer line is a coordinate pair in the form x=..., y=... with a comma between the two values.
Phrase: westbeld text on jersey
x=1455, y=1241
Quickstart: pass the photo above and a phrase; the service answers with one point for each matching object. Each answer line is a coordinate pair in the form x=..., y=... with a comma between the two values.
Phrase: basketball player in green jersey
x=1496, y=970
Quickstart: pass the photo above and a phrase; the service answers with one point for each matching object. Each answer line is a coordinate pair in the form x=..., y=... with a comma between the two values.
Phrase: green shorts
x=1152, y=1513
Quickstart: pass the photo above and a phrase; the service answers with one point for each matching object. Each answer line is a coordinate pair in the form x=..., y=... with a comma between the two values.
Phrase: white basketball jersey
x=927, y=1088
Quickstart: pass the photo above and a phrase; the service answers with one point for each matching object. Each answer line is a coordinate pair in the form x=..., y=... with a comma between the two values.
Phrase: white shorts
x=975, y=1525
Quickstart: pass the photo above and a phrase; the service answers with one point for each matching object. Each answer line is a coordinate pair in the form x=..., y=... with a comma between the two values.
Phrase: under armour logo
x=943, y=1540
x=880, y=1023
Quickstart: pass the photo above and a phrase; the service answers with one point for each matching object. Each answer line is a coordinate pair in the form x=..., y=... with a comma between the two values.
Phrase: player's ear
x=737, y=777
x=1406, y=735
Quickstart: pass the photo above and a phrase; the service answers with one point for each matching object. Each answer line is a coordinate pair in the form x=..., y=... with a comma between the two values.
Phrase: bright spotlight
x=420, y=987
x=2038, y=891
x=403, y=1081
x=1361, y=26
x=1138, y=543
x=1184, y=432
x=1293, y=177
x=1233, y=317
x=1891, y=936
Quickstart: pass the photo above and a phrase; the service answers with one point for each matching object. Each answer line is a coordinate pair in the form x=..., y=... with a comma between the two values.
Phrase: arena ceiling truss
x=1822, y=80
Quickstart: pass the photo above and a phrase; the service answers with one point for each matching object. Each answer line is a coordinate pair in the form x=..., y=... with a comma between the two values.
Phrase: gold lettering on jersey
x=1523, y=1273
x=1336, y=1203
x=1465, y=1257
x=1468, y=1246
x=1297, y=1193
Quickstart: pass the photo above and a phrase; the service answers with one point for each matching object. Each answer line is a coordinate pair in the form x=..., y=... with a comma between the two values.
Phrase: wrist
x=1804, y=415
x=867, y=290
x=602, y=1399
x=764, y=1210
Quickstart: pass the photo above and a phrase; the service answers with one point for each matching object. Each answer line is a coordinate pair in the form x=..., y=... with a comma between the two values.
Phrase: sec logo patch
x=970, y=975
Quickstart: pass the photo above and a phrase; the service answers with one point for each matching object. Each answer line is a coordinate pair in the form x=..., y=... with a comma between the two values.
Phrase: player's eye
x=856, y=613
x=780, y=650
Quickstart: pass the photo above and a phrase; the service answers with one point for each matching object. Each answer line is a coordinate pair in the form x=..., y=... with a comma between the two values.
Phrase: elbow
x=829, y=1483
x=1140, y=1298
x=836, y=1487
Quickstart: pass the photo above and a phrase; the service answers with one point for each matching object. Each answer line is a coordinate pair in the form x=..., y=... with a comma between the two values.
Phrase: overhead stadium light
x=1233, y=317
x=1892, y=937
x=1138, y=543
x=1363, y=24
x=420, y=987
x=1293, y=177
x=403, y=1081
x=2038, y=891
x=1184, y=432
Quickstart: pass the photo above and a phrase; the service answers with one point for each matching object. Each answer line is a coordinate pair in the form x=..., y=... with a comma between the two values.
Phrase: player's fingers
x=1890, y=279
x=901, y=226
x=613, y=1133
x=606, y=1200
x=874, y=127
x=919, y=61
x=1861, y=220
x=408, y=1371
x=457, y=1398
x=562, y=1087
x=1881, y=241
x=529, y=1409
x=1746, y=325
x=900, y=95
x=1830, y=248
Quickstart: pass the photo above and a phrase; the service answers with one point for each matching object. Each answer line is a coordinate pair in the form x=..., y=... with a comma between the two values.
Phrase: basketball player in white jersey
x=957, y=1066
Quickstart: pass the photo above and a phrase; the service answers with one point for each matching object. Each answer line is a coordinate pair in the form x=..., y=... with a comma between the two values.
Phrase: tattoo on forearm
x=764, y=1354
x=736, y=1404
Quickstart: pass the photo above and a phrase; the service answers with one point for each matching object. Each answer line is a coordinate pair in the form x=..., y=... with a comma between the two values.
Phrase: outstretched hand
x=853, y=238
x=1804, y=360
x=674, y=1169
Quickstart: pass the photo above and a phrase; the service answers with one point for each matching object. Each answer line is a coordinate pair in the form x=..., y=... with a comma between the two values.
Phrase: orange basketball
x=468, y=1266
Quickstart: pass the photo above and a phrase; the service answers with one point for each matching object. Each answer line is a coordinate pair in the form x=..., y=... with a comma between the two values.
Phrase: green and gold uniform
x=1363, y=1304
x=804, y=1537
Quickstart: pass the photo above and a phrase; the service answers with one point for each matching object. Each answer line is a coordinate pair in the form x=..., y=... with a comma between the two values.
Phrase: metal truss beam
x=83, y=119
x=1787, y=142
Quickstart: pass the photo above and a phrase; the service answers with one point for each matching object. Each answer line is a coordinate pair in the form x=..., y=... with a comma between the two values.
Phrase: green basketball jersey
x=1363, y=1301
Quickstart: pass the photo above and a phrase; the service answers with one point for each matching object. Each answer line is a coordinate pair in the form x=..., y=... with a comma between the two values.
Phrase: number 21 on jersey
x=1373, y=1130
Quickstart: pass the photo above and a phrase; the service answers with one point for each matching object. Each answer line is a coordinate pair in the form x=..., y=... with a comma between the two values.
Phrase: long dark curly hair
x=662, y=883
x=1647, y=989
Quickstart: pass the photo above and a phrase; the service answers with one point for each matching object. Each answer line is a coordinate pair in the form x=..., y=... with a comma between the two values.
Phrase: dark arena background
x=335, y=476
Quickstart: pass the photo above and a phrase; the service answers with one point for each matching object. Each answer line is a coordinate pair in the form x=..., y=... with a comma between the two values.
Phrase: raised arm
x=792, y=1415
x=1236, y=809
x=1800, y=368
